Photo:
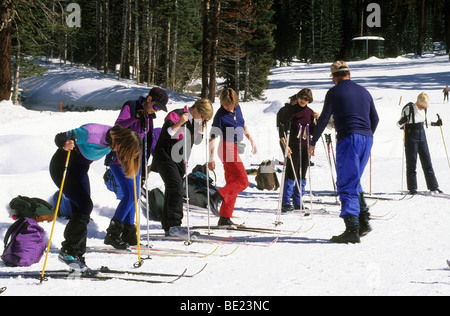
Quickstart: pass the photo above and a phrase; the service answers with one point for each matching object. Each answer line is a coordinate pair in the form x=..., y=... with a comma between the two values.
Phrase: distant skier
x=355, y=121
x=445, y=91
x=413, y=120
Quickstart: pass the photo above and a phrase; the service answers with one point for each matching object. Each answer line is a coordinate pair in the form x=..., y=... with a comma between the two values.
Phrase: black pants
x=77, y=190
x=416, y=143
x=172, y=175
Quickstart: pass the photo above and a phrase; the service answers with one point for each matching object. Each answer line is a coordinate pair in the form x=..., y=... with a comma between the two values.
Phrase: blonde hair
x=228, y=97
x=204, y=107
x=129, y=149
x=423, y=99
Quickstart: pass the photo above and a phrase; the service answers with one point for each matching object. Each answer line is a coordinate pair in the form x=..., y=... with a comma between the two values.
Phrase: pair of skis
x=104, y=274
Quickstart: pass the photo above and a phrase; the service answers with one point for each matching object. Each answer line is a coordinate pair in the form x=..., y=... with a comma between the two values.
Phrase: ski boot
x=129, y=234
x=113, y=233
x=351, y=233
x=76, y=264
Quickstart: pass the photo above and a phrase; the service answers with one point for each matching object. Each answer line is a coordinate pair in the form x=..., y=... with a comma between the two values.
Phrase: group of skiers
x=349, y=107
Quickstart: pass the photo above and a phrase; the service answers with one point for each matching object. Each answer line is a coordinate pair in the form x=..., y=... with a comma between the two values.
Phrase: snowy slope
x=402, y=256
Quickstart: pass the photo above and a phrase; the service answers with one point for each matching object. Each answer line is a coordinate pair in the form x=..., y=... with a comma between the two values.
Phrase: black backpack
x=155, y=204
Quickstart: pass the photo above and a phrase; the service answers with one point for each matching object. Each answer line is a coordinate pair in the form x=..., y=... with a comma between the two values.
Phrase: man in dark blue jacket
x=355, y=120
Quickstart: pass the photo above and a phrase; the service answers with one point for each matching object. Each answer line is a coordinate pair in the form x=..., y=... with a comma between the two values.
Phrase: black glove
x=141, y=114
x=438, y=122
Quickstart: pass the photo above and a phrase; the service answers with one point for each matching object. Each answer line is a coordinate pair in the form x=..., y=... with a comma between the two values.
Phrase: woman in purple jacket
x=138, y=116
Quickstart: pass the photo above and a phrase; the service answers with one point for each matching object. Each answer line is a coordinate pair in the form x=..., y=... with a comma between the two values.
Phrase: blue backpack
x=24, y=243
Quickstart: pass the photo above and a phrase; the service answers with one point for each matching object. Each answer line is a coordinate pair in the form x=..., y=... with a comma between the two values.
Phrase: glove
x=141, y=114
x=438, y=122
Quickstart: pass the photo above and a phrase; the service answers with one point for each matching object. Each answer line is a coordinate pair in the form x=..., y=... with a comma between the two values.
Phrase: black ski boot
x=129, y=234
x=364, y=216
x=113, y=235
x=351, y=233
x=364, y=226
x=225, y=221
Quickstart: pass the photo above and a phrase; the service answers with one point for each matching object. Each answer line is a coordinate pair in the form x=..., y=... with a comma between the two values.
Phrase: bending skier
x=355, y=121
x=137, y=115
x=169, y=158
x=90, y=142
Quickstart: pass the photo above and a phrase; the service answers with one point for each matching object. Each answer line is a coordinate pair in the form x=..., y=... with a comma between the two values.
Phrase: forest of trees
x=185, y=45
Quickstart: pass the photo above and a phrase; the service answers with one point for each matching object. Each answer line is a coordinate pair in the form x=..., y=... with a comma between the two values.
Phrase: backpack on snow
x=36, y=208
x=198, y=193
x=155, y=204
x=266, y=177
x=24, y=243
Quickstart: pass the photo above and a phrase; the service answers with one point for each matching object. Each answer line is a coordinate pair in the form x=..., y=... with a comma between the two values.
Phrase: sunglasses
x=304, y=98
x=155, y=107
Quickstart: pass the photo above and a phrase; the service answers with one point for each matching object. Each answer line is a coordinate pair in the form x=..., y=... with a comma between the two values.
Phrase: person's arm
x=250, y=138
x=211, y=162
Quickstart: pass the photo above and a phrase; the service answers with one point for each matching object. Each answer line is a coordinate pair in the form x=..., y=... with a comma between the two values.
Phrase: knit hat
x=160, y=97
x=339, y=66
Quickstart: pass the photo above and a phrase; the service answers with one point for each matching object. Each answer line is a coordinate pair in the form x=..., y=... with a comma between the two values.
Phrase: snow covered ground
x=402, y=256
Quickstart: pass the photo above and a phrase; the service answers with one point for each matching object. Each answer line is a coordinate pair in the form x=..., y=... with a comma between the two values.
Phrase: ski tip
x=448, y=263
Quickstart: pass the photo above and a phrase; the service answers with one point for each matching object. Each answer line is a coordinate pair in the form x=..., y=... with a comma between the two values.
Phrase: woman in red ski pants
x=229, y=124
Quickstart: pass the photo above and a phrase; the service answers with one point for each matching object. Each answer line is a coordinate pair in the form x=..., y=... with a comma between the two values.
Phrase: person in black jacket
x=181, y=130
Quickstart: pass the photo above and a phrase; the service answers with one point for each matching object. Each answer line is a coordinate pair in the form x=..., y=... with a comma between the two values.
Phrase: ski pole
x=445, y=147
x=331, y=167
x=439, y=122
x=145, y=172
x=283, y=174
x=309, y=166
x=208, y=205
x=295, y=173
x=300, y=160
x=56, y=213
x=139, y=263
x=403, y=155
x=188, y=241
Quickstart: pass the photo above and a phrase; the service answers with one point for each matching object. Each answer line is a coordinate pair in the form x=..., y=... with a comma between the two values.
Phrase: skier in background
x=296, y=114
x=413, y=120
x=355, y=121
x=445, y=91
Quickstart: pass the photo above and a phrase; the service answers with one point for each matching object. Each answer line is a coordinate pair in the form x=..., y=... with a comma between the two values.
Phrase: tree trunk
x=106, y=35
x=136, y=45
x=123, y=49
x=5, y=51
x=205, y=49
x=214, y=45
x=421, y=9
